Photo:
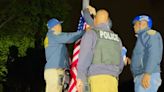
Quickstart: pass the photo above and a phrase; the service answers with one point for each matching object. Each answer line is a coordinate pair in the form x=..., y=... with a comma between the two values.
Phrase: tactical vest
x=108, y=48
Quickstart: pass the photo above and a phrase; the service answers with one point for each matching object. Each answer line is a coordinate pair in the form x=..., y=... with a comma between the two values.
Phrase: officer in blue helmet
x=56, y=54
x=147, y=56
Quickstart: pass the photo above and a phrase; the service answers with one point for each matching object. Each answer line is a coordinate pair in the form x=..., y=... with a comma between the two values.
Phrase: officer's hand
x=88, y=27
x=92, y=10
x=146, y=80
x=127, y=61
x=79, y=85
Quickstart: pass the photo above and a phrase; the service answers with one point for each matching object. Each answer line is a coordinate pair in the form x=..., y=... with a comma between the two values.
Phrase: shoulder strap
x=151, y=32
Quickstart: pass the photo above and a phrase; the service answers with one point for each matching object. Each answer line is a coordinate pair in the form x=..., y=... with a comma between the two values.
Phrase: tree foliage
x=24, y=21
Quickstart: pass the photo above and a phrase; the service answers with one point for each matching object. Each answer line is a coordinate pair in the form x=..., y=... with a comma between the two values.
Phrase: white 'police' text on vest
x=109, y=36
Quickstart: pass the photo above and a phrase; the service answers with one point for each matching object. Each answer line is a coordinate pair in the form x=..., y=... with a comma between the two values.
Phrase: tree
x=24, y=21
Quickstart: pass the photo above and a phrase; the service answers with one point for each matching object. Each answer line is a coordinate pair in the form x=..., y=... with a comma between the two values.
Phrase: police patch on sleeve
x=151, y=32
x=46, y=42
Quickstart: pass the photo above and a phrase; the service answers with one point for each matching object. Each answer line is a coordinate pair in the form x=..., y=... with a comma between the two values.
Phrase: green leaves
x=22, y=42
x=21, y=20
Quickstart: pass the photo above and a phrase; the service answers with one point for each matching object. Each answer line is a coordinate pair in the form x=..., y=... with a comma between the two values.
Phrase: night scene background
x=23, y=28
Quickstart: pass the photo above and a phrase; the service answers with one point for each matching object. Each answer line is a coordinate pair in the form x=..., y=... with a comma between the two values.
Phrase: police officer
x=147, y=55
x=56, y=54
x=100, y=58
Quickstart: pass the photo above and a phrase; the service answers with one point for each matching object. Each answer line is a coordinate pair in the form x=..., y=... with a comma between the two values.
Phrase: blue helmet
x=144, y=17
x=53, y=22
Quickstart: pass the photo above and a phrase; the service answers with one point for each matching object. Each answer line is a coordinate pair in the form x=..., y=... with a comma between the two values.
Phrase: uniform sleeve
x=154, y=52
x=87, y=17
x=123, y=54
x=86, y=13
x=68, y=37
x=85, y=56
x=123, y=57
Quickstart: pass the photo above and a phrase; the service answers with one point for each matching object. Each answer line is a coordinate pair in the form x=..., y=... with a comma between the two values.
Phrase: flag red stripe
x=76, y=53
x=74, y=64
x=74, y=83
x=77, y=44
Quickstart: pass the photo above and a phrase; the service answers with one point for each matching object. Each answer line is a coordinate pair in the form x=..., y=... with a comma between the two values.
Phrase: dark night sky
x=122, y=12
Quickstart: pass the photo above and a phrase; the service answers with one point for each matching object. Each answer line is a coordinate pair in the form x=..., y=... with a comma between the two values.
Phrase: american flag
x=73, y=70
